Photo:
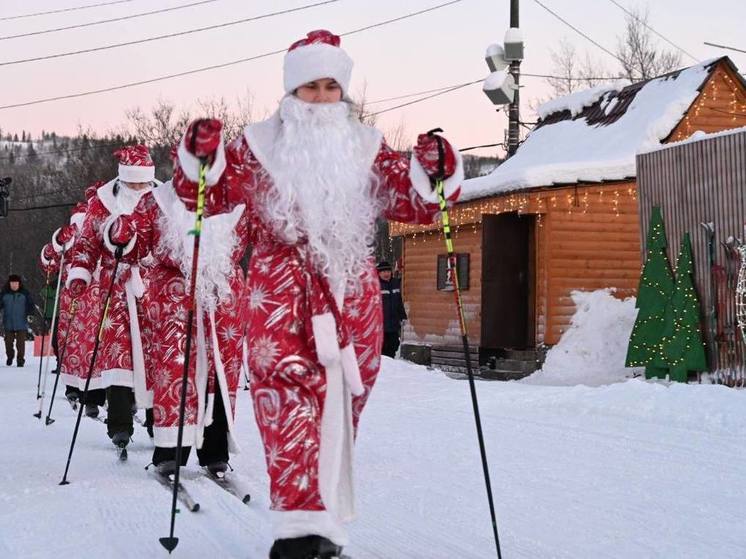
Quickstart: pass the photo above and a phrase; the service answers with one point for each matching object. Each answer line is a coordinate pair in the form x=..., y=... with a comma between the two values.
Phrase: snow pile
x=576, y=102
x=571, y=151
x=592, y=351
x=698, y=136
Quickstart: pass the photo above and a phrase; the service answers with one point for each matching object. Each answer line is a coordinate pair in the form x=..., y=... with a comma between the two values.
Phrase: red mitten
x=427, y=153
x=66, y=234
x=49, y=253
x=77, y=287
x=123, y=230
x=203, y=137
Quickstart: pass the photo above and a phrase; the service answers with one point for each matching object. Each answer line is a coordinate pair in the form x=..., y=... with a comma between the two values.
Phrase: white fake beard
x=128, y=198
x=323, y=187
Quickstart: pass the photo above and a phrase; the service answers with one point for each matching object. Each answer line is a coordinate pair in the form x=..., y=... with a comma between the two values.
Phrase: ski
x=182, y=494
x=228, y=485
x=122, y=453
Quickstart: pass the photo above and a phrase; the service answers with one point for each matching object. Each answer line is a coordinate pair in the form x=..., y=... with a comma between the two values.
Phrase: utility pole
x=514, y=112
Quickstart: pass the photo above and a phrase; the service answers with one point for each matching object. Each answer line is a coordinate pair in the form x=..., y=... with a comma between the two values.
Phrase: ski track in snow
x=632, y=470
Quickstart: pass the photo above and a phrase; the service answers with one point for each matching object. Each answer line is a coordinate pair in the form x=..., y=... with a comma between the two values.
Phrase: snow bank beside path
x=592, y=351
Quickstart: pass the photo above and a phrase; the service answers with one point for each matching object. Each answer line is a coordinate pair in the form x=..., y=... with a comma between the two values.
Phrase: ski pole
x=100, y=330
x=73, y=310
x=439, y=188
x=54, y=318
x=171, y=541
x=43, y=335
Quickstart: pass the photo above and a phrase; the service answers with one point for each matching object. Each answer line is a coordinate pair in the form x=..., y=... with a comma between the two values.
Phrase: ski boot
x=217, y=469
x=306, y=547
x=8, y=361
x=121, y=440
x=91, y=410
x=20, y=363
x=166, y=468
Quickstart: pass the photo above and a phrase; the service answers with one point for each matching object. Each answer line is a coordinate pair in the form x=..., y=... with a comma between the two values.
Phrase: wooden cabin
x=562, y=214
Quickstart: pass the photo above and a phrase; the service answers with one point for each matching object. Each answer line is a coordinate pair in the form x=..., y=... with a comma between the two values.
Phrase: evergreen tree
x=683, y=348
x=654, y=291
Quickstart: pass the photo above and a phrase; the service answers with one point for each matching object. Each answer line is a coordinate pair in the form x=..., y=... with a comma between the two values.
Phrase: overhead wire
x=62, y=10
x=166, y=36
x=724, y=47
x=213, y=66
x=650, y=27
x=103, y=21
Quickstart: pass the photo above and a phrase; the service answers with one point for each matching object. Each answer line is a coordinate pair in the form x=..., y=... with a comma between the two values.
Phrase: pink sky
x=433, y=50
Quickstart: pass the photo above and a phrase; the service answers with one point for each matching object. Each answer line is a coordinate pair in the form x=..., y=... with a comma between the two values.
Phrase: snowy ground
x=629, y=470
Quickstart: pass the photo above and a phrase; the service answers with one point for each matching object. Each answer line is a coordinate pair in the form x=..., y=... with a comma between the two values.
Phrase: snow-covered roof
x=698, y=136
x=594, y=136
x=576, y=102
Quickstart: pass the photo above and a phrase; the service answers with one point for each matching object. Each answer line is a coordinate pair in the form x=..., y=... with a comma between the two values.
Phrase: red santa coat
x=120, y=359
x=163, y=225
x=310, y=349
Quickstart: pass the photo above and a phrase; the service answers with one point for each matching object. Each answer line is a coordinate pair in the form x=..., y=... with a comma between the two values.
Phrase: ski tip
x=49, y=421
x=246, y=499
x=169, y=543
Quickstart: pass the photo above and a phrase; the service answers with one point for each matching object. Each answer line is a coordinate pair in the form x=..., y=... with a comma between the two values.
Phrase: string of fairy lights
x=616, y=199
x=714, y=91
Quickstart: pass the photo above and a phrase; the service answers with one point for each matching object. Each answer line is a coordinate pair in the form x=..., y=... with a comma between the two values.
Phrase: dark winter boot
x=166, y=468
x=121, y=439
x=217, y=469
x=9, y=361
x=306, y=547
x=21, y=363
x=91, y=410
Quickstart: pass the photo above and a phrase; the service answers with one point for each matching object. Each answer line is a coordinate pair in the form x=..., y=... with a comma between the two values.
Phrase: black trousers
x=119, y=414
x=390, y=343
x=215, y=444
x=94, y=397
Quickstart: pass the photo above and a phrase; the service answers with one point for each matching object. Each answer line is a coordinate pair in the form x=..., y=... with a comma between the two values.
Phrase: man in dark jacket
x=393, y=308
x=16, y=305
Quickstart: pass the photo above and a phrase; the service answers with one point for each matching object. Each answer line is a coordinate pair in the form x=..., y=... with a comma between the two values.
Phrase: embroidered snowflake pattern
x=258, y=298
x=229, y=333
x=264, y=352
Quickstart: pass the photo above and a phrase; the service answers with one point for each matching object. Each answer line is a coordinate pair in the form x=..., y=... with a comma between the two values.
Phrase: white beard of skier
x=314, y=179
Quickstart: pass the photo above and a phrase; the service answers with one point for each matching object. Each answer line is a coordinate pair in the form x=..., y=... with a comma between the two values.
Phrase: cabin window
x=445, y=282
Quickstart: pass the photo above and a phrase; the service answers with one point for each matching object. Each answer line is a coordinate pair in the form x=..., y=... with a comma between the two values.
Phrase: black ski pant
x=214, y=446
x=119, y=414
x=94, y=397
x=390, y=343
x=19, y=337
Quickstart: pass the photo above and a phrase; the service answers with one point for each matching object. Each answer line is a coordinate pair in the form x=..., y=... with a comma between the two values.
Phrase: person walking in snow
x=393, y=308
x=16, y=306
x=118, y=373
x=313, y=180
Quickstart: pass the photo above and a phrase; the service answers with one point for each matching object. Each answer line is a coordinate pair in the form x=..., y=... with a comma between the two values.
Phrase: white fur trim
x=78, y=273
x=58, y=248
x=190, y=163
x=107, y=241
x=106, y=195
x=314, y=62
x=351, y=370
x=201, y=374
x=116, y=377
x=136, y=173
x=44, y=261
x=421, y=182
x=77, y=219
x=298, y=523
x=167, y=437
x=143, y=396
x=325, y=336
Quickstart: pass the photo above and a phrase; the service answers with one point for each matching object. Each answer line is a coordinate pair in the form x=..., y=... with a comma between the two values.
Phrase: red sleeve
x=86, y=251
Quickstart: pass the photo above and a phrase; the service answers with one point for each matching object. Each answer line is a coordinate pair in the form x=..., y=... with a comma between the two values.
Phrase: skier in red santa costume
x=65, y=237
x=314, y=180
x=160, y=230
x=119, y=371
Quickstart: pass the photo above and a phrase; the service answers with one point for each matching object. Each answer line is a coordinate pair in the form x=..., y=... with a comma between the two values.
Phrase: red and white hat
x=135, y=164
x=315, y=57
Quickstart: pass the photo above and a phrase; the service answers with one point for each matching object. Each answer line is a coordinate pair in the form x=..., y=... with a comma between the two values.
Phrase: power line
x=214, y=66
x=483, y=146
x=724, y=47
x=420, y=100
x=111, y=20
x=167, y=36
x=637, y=18
x=436, y=90
x=578, y=31
x=6, y=18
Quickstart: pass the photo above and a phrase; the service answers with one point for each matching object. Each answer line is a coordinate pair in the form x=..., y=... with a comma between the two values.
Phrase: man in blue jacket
x=393, y=308
x=16, y=305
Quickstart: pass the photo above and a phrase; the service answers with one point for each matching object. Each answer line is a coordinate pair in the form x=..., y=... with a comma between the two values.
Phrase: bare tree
x=572, y=72
x=640, y=56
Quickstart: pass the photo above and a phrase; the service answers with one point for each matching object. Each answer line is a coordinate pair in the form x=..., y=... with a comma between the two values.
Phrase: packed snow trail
x=629, y=470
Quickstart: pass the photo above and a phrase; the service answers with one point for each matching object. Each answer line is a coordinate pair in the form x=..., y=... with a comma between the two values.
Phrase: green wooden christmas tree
x=683, y=348
x=655, y=289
